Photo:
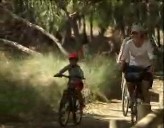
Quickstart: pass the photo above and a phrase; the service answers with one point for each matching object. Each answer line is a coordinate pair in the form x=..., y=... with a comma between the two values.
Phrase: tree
x=62, y=17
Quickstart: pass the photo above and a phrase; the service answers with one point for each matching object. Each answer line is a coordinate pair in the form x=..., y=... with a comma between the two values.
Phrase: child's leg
x=81, y=99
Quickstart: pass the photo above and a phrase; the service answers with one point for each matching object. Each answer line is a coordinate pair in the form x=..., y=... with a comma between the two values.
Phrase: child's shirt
x=74, y=71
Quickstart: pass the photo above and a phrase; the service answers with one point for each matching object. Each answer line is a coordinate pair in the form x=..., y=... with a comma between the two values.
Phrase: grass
x=27, y=86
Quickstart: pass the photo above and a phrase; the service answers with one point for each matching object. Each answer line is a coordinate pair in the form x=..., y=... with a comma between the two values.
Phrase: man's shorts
x=135, y=74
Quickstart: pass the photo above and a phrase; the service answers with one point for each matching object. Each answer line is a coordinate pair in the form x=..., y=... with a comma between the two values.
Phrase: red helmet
x=73, y=56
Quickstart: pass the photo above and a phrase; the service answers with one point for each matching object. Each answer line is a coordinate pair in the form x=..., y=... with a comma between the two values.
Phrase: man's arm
x=121, y=50
x=150, y=52
x=123, y=56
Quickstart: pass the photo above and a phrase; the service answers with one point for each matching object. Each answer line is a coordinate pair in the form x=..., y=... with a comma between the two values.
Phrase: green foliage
x=50, y=13
x=42, y=12
x=28, y=86
x=103, y=14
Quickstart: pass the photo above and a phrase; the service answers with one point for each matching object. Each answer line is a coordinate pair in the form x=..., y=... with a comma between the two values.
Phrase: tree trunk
x=91, y=26
x=76, y=33
x=158, y=37
x=72, y=18
x=5, y=11
x=67, y=33
x=19, y=47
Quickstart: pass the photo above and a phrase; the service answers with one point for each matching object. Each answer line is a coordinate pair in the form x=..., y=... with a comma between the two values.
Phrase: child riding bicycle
x=76, y=76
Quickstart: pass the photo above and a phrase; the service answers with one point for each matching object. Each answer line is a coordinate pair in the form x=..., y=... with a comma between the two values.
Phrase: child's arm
x=81, y=73
x=64, y=69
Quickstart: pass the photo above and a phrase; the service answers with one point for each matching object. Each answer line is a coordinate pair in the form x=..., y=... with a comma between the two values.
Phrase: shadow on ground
x=87, y=122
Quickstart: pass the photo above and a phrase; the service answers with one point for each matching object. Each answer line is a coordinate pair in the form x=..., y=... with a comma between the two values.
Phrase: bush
x=29, y=88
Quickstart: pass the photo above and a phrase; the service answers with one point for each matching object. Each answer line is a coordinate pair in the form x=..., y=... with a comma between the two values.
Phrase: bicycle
x=137, y=96
x=69, y=103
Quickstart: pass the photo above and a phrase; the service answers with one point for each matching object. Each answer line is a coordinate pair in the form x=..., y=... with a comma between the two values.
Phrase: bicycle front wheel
x=64, y=112
x=77, y=113
x=125, y=99
x=134, y=112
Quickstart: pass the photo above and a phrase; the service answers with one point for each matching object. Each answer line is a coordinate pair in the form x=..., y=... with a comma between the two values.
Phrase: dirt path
x=113, y=110
x=97, y=114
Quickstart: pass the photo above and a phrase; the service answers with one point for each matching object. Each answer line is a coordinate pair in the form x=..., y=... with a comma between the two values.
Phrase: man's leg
x=131, y=87
x=145, y=91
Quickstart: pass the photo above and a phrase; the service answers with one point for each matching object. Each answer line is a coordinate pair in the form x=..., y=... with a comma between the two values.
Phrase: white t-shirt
x=138, y=56
x=122, y=49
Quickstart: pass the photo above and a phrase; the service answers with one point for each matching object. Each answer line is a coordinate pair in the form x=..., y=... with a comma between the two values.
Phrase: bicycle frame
x=72, y=98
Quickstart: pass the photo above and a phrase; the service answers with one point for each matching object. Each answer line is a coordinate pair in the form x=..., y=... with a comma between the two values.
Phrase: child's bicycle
x=69, y=103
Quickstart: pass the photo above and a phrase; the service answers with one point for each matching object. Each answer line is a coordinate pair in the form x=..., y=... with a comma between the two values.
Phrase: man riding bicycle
x=137, y=54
